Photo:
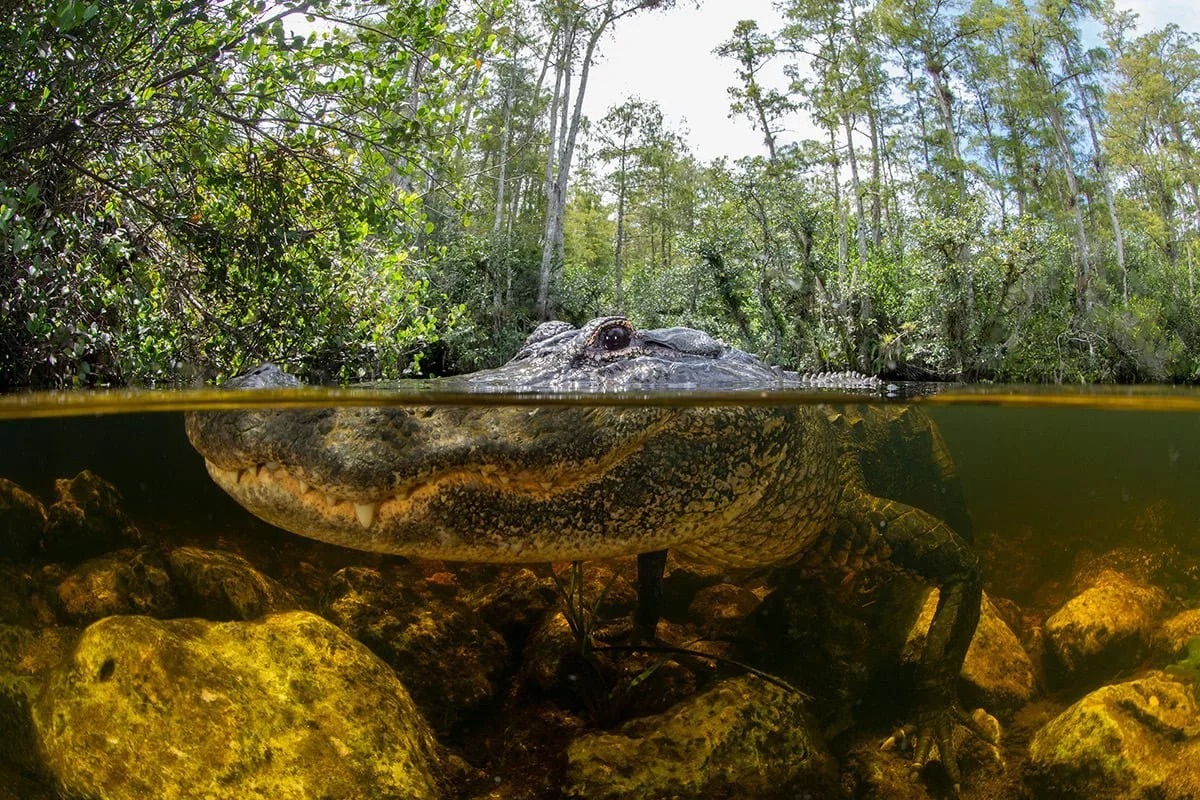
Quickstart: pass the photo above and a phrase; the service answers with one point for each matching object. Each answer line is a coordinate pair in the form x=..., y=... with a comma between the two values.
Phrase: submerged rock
x=444, y=652
x=997, y=672
x=217, y=585
x=22, y=521
x=744, y=737
x=87, y=520
x=1104, y=629
x=1138, y=739
x=22, y=601
x=25, y=657
x=1173, y=635
x=283, y=707
x=124, y=582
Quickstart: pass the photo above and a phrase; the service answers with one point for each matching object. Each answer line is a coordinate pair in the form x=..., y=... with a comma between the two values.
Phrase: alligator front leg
x=919, y=543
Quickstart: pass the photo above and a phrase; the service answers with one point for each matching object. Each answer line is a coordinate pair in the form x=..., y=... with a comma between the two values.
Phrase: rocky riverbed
x=145, y=662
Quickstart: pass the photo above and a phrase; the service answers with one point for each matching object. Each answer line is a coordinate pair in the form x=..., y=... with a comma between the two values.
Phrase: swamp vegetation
x=989, y=189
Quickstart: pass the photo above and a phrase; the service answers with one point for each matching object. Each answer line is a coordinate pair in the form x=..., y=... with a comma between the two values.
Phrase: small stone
x=718, y=610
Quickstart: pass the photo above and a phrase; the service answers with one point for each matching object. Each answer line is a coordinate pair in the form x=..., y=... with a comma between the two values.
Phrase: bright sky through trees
x=668, y=58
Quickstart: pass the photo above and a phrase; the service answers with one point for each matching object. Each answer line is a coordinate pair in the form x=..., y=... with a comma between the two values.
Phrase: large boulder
x=744, y=737
x=1133, y=740
x=287, y=706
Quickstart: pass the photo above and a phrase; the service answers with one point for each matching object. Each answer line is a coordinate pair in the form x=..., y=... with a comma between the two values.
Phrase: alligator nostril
x=106, y=669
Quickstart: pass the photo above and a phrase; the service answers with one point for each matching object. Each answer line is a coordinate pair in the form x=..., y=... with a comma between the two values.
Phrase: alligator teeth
x=547, y=485
x=331, y=501
x=365, y=513
x=244, y=472
x=272, y=465
x=303, y=486
x=503, y=480
x=222, y=474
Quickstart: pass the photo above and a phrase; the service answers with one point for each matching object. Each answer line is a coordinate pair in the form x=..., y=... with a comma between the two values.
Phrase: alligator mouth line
x=278, y=478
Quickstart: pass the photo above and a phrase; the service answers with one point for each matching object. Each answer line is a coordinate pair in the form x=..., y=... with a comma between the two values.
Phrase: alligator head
x=545, y=483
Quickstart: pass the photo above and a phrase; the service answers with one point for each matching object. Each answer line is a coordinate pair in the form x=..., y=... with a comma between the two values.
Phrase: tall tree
x=576, y=29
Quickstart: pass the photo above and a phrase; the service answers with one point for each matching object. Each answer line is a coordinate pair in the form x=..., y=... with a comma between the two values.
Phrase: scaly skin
x=740, y=486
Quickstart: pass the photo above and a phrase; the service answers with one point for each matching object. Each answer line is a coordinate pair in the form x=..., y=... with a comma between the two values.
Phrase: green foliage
x=188, y=188
x=360, y=191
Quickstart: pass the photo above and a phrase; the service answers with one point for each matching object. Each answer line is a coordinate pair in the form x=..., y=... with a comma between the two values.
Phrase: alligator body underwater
x=739, y=486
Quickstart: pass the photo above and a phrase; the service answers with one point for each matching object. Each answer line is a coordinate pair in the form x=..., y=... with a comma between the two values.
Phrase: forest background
x=995, y=189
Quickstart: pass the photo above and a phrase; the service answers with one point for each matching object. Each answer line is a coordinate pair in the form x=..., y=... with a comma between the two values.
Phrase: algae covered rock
x=1176, y=633
x=87, y=519
x=224, y=586
x=25, y=657
x=1105, y=628
x=283, y=707
x=124, y=582
x=22, y=521
x=1138, y=739
x=745, y=737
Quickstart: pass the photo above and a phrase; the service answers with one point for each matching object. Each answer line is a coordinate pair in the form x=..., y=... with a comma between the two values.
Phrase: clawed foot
x=932, y=737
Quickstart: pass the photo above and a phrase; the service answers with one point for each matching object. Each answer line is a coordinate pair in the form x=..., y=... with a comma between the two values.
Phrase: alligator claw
x=932, y=738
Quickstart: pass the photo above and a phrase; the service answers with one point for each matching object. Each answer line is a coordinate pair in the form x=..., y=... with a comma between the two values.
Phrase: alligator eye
x=615, y=338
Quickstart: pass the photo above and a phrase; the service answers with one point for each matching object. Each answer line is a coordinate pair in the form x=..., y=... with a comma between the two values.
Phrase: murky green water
x=1083, y=509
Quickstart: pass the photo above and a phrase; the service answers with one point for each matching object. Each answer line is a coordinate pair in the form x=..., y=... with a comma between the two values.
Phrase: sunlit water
x=1060, y=484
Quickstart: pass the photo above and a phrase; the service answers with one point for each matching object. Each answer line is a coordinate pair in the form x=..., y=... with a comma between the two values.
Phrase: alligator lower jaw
x=279, y=479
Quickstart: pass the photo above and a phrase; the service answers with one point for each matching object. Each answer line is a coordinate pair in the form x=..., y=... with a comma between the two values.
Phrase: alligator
x=746, y=485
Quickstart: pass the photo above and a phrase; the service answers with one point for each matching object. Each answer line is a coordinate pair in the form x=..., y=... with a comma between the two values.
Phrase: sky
x=667, y=57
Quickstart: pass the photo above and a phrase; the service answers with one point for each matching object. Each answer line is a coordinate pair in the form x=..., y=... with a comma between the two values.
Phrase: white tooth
x=547, y=485
x=303, y=486
x=504, y=480
x=331, y=500
x=243, y=473
x=272, y=465
x=222, y=474
x=365, y=513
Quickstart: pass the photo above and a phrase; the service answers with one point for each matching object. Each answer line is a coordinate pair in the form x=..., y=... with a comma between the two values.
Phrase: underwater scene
x=977, y=593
